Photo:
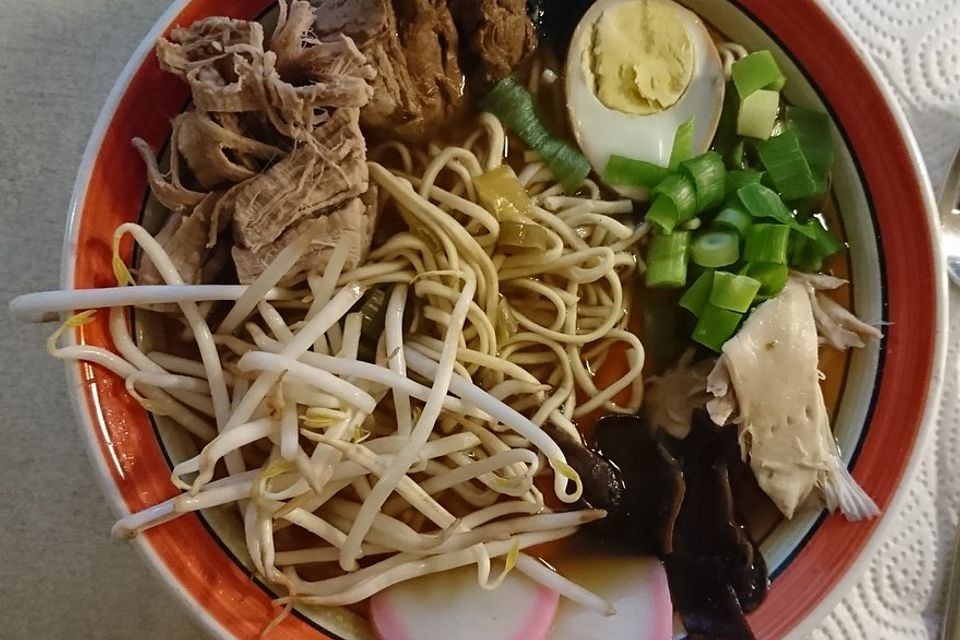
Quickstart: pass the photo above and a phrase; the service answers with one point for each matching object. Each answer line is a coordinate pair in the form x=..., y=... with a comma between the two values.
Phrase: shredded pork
x=271, y=143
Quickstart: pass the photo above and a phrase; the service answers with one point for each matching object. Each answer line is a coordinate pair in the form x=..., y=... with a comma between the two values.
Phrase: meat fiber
x=497, y=33
x=352, y=224
x=414, y=46
x=423, y=51
x=314, y=177
x=271, y=143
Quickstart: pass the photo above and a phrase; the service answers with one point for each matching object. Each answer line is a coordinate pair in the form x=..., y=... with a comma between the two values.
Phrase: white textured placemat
x=62, y=577
x=916, y=44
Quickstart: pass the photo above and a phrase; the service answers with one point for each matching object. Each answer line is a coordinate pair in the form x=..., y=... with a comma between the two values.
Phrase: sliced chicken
x=767, y=382
x=836, y=325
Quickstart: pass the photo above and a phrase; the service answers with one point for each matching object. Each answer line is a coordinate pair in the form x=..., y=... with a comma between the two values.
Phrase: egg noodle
x=425, y=459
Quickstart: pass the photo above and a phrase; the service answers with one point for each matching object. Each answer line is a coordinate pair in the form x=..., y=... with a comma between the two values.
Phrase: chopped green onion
x=826, y=243
x=667, y=260
x=733, y=292
x=513, y=105
x=709, y=177
x=814, y=134
x=683, y=142
x=725, y=139
x=741, y=178
x=714, y=249
x=566, y=163
x=758, y=114
x=772, y=278
x=715, y=326
x=807, y=253
x=788, y=168
x=766, y=243
x=733, y=219
x=803, y=255
x=697, y=296
x=662, y=214
x=681, y=192
x=757, y=71
x=623, y=171
x=738, y=156
x=763, y=202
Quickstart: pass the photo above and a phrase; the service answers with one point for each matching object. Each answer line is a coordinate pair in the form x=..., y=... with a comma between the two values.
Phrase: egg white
x=602, y=132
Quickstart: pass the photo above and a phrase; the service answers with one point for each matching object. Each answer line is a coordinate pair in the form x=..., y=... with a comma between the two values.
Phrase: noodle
x=364, y=456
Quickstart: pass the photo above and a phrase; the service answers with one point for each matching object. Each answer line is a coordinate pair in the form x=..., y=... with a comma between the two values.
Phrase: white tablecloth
x=62, y=576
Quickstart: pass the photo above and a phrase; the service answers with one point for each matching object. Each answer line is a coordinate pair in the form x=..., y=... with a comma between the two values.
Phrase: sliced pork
x=414, y=46
x=424, y=51
x=498, y=33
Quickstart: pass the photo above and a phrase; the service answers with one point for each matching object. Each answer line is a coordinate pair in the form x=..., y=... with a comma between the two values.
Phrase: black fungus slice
x=679, y=504
x=652, y=481
x=602, y=485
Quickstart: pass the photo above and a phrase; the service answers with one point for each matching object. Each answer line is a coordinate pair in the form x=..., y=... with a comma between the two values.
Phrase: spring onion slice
x=667, y=260
x=569, y=166
x=715, y=326
x=737, y=156
x=826, y=243
x=763, y=202
x=772, y=278
x=813, y=131
x=682, y=192
x=788, y=168
x=757, y=71
x=726, y=138
x=741, y=178
x=683, y=142
x=512, y=103
x=766, y=243
x=733, y=292
x=624, y=171
x=709, y=177
x=732, y=219
x=696, y=297
x=807, y=252
x=662, y=215
x=714, y=249
x=758, y=114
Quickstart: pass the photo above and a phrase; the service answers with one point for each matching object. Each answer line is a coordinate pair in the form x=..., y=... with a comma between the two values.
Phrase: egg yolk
x=640, y=57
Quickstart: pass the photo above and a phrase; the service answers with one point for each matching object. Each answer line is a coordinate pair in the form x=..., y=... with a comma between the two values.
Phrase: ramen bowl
x=886, y=396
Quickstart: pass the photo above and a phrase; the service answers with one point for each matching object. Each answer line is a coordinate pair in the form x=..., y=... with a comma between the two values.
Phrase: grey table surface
x=61, y=574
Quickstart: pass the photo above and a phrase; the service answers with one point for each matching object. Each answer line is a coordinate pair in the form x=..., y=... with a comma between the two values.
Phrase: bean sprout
x=479, y=349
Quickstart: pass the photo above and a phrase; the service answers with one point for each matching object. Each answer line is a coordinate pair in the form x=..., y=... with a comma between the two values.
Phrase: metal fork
x=950, y=219
x=950, y=237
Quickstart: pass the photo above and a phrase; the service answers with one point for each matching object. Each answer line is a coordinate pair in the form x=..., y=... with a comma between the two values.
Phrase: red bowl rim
x=187, y=556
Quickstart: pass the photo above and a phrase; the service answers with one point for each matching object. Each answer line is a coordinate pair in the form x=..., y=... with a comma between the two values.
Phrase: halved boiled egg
x=636, y=71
